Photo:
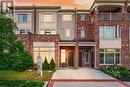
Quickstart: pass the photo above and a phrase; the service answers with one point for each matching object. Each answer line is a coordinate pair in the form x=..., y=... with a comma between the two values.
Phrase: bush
x=117, y=72
x=52, y=65
x=45, y=65
x=21, y=83
x=22, y=61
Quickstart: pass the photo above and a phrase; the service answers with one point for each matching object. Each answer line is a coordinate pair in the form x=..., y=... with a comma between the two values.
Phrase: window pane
x=67, y=32
x=86, y=55
x=101, y=32
x=67, y=17
x=82, y=33
x=117, y=58
x=82, y=17
x=63, y=56
x=22, y=18
x=110, y=32
x=101, y=58
x=109, y=58
x=47, y=18
x=101, y=50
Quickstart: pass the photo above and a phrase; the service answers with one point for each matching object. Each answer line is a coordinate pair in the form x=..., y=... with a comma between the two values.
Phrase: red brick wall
x=86, y=25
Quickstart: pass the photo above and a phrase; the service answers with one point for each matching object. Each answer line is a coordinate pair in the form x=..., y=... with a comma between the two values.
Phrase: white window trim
x=114, y=58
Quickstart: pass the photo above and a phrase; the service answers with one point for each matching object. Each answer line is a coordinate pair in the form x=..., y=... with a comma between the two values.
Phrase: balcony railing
x=128, y=16
x=110, y=16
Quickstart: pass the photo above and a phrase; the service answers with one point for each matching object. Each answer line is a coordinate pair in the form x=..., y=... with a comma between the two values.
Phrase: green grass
x=23, y=79
x=26, y=75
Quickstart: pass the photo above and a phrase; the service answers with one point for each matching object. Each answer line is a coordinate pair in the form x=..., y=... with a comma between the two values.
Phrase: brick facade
x=91, y=35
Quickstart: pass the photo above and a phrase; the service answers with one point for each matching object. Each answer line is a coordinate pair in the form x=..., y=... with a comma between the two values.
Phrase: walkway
x=84, y=77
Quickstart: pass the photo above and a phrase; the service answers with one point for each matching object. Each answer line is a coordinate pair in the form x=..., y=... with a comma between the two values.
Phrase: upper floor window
x=47, y=32
x=67, y=32
x=67, y=17
x=82, y=17
x=82, y=32
x=47, y=18
x=22, y=18
x=109, y=32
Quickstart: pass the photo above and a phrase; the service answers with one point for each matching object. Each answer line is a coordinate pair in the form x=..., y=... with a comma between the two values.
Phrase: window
x=67, y=32
x=82, y=32
x=82, y=17
x=63, y=56
x=86, y=56
x=47, y=52
x=47, y=18
x=47, y=32
x=67, y=17
x=22, y=18
x=109, y=56
x=109, y=32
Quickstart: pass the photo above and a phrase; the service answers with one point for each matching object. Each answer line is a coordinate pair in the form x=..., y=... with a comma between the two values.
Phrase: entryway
x=67, y=57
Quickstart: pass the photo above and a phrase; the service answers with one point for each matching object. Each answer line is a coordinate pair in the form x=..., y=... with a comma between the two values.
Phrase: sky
x=80, y=4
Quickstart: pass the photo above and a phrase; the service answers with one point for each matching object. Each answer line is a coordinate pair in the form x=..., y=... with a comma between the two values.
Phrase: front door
x=80, y=59
x=70, y=58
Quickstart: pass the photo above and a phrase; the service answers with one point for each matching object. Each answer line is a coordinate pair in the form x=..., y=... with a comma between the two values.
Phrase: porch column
x=57, y=56
x=76, y=59
x=96, y=33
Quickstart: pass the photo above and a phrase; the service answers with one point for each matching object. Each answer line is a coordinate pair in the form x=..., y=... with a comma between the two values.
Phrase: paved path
x=81, y=73
x=84, y=77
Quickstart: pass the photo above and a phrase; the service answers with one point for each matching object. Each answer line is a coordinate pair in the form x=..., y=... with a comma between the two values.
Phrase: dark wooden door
x=70, y=58
x=80, y=59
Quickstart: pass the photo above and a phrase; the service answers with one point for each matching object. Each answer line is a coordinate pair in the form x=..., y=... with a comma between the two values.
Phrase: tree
x=45, y=65
x=52, y=65
x=12, y=50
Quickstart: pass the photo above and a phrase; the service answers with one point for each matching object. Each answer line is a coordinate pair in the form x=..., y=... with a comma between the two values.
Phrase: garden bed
x=117, y=72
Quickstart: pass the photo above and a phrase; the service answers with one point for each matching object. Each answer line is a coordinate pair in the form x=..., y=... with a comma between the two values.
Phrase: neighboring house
x=76, y=37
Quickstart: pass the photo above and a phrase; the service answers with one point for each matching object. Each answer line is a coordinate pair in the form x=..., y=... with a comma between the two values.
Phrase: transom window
x=109, y=32
x=67, y=17
x=110, y=56
x=82, y=17
x=22, y=18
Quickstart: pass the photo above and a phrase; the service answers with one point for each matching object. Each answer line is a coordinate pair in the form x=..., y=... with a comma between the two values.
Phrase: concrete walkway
x=84, y=77
x=81, y=73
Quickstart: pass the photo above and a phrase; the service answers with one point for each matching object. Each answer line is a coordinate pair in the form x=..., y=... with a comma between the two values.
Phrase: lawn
x=31, y=76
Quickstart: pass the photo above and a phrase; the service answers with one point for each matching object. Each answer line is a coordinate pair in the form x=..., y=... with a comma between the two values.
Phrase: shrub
x=117, y=72
x=22, y=61
x=52, y=65
x=45, y=65
x=21, y=83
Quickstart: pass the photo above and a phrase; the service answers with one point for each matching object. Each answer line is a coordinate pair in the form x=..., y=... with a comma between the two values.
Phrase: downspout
x=34, y=17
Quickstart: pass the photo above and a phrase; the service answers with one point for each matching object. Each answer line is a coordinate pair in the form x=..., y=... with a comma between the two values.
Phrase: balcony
x=110, y=16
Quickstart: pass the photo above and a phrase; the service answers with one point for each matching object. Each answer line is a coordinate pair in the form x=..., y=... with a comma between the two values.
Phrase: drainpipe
x=34, y=16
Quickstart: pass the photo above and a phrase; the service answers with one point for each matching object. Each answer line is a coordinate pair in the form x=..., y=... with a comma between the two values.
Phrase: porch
x=75, y=55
